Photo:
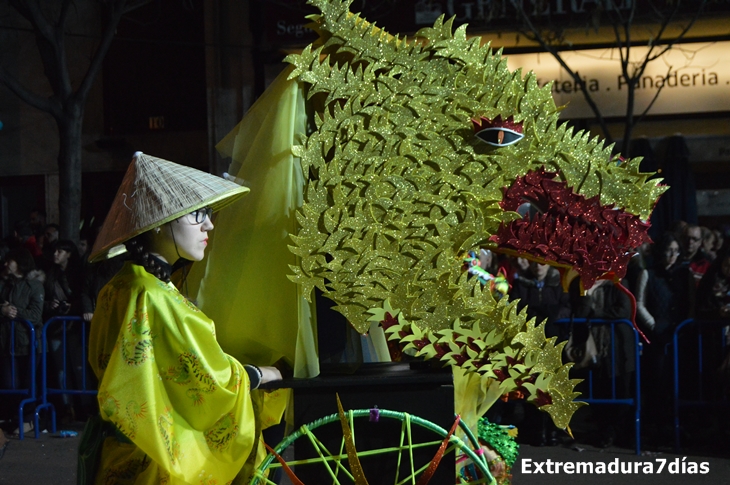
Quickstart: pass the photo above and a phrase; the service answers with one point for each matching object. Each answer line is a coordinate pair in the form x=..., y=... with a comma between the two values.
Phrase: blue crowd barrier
x=700, y=397
x=15, y=388
x=71, y=364
x=634, y=401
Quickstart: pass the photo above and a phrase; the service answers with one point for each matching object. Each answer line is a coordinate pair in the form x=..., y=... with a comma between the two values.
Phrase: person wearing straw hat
x=174, y=408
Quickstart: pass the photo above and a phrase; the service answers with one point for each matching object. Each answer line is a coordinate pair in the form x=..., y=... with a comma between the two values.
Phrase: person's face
x=51, y=234
x=539, y=270
x=708, y=242
x=83, y=246
x=523, y=264
x=186, y=237
x=644, y=249
x=718, y=241
x=671, y=253
x=11, y=268
x=61, y=257
x=693, y=240
x=36, y=219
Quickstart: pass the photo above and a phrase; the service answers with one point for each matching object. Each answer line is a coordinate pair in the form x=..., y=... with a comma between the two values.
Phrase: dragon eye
x=499, y=137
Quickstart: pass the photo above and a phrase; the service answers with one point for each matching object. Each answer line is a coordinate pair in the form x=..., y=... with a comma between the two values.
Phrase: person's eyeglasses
x=200, y=215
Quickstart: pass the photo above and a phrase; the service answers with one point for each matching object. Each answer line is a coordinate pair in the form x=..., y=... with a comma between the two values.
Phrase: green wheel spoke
x=319, y=446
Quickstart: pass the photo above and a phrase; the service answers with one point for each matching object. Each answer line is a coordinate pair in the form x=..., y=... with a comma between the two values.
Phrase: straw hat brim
x=154, y=192
x=116, y=247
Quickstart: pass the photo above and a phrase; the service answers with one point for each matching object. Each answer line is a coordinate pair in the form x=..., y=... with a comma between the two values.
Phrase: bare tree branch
x=672, y=42
x=622, y=22
x=117, y=9
x=630, y=78
x=625, y=50
x=50, y=39
x=617, y=11
x=38, y=102
x=666, y=21
x=133, y=5
x=617, y=36
x=66, y=105
x=31, y=11
x=60, y=50
x=63, y=16
x=537, y=37
x=656, y=95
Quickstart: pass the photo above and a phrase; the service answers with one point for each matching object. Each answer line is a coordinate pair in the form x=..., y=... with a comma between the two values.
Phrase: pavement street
x=51, y=460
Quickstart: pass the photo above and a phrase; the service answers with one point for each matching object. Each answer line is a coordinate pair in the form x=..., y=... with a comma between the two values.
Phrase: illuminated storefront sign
x=694, y=78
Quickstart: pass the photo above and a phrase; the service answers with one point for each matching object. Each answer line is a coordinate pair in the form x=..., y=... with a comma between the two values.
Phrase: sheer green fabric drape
x=260, y=315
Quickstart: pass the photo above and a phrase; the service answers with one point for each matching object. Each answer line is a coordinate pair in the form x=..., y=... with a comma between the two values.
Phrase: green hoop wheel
x=330, y=463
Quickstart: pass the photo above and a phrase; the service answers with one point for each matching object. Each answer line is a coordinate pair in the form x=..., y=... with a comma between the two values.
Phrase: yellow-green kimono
x=167, y=386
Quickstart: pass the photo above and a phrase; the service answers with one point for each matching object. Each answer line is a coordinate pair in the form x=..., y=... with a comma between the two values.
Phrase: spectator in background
x=37, y=220
x=719, y=241
x=678, y=228
x=96, y=275
x=713, y=303
x=51, y=233
x=63, y=281
x=514, y=267
x=637, y=264
x=664, y=296
x=23, y=237
x=541, y=292
x=664, y=292
x=48, y=242
x=713, y=293
x=86, y=241
x=21, y=298
x=606, y=302
x=709, y=240
x=84, y=247
x=63, y=297
x=693, y=255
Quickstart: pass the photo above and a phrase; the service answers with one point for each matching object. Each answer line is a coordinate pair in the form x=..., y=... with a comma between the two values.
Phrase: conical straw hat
x=156, y=191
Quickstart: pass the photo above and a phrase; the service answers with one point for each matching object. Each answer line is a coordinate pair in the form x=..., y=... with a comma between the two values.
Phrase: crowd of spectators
x=43, y=276
x=684, y=274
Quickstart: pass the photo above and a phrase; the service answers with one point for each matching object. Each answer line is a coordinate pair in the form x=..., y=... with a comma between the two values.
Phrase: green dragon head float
x=424, y=149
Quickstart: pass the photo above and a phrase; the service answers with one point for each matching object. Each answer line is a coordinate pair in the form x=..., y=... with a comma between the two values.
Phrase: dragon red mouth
x=570, y=231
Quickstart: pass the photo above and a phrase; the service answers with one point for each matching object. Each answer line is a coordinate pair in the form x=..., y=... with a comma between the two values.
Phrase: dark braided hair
x=137, y=247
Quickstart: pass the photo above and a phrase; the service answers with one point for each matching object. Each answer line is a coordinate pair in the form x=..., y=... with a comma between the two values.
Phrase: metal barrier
x=634, y=401
x=66, y=374
x=14, y=389
x=700, y=395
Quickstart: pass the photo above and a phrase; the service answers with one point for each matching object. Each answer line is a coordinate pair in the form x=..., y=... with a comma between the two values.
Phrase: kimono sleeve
x=173, y=392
